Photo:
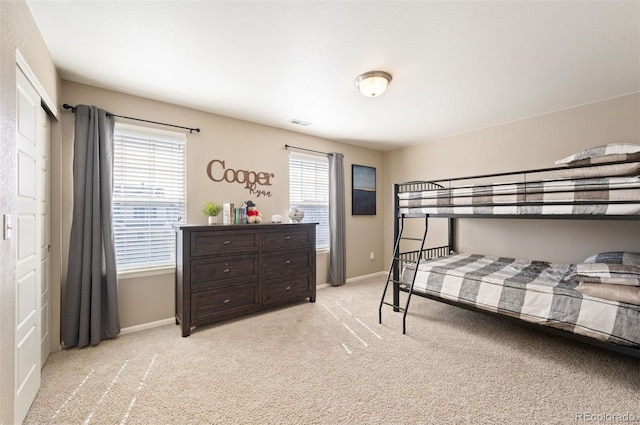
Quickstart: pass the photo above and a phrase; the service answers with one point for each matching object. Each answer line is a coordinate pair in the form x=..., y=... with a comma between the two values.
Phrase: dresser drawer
x=225, y=302
x=288, y=237
x=288, y=288
x=282, y=263
x=221, y=271
x=224, y=242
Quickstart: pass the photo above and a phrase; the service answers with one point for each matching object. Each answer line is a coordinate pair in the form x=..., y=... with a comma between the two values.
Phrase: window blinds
x=309, y=191
x=148, y=195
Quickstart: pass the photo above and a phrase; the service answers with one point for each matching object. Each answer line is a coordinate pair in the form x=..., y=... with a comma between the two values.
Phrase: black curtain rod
x=308, y=150
x=191, y=130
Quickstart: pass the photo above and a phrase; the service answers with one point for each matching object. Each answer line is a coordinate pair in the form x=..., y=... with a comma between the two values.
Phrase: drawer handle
x=287, y=238
x=287, y=288
x=227, y=270
x=227, y=243
x=288, y=262
x=227, y=300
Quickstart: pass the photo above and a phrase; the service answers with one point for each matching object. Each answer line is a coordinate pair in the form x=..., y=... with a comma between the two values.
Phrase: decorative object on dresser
x=276, y=218
x=253, y=215
x=296, y=215
x=228, y=271
x=211, y=210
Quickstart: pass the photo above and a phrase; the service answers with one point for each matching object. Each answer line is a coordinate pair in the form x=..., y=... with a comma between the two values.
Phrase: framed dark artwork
x=363, y=190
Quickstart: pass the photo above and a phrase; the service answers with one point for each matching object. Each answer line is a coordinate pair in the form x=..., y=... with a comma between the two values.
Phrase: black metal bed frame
x=400, y=258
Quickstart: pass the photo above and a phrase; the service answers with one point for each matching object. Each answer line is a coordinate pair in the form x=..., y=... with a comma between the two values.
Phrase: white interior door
x=27, y=236
x=45, y=240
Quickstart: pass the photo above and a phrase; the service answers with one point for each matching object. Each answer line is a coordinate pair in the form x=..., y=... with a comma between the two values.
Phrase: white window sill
x=134, y=274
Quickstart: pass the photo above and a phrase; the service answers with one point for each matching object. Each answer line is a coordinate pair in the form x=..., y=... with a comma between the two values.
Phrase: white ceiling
x=457, y=66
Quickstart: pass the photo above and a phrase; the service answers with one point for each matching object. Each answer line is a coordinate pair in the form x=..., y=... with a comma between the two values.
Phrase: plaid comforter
x=599, y=196
x=535, y=291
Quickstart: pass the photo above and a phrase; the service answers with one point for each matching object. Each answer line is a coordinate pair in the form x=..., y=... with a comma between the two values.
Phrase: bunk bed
x=596, y=301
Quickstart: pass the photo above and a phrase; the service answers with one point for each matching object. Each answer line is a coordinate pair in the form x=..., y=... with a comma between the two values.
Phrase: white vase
x=213, y=219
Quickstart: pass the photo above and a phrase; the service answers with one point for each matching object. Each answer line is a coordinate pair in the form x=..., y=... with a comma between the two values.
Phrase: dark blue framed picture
x=363, y=190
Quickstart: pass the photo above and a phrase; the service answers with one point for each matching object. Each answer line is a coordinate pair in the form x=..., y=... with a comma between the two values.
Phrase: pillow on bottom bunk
x=615, y=257
x=618, y=274
x=620, y=293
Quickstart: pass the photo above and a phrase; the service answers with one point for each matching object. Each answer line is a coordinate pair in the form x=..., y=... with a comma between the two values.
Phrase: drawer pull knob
x=288, y=237
x=227, y=242
x=288, y=287
x=227, y=270
x=288, y=262
x=227, y=300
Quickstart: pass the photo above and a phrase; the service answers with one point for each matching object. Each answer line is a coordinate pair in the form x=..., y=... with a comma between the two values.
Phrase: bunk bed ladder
x=394, y=272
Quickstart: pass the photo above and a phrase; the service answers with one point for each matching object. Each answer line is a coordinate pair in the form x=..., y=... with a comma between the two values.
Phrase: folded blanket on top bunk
x=534, y=291
x=602, y=196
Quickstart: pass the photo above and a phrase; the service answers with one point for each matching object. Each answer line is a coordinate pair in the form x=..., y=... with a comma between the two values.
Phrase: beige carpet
x=332, y=363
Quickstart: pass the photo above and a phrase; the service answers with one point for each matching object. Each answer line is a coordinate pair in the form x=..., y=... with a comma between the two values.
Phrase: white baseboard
x=354, y=279
x=366, y=276
x=148, y=325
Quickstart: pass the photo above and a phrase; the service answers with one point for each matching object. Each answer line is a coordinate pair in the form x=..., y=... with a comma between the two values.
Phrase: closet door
x=27, y=242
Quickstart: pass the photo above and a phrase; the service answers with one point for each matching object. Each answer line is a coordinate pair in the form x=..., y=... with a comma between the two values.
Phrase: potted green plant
x=211, y=210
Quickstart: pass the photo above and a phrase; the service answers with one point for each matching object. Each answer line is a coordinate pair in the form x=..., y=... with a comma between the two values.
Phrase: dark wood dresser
x=224, y=271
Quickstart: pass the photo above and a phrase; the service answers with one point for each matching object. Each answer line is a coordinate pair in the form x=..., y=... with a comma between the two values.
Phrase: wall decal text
x=252, y=180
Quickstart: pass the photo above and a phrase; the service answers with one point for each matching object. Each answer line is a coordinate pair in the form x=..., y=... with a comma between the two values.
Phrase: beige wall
x=242, y=145
x=530, y=143
x=17, y=31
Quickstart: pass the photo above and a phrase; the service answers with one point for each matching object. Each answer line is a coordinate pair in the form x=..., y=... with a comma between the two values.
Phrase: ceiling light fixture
x=373, y=83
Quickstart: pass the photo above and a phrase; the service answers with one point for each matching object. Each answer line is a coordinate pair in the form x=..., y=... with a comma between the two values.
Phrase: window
x=309, y=191
x=148, y=195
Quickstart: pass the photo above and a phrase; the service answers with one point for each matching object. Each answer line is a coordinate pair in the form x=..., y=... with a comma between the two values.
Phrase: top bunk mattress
x=619, y=195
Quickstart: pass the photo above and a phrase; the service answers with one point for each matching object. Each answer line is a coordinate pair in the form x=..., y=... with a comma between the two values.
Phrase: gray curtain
x=91, y=302
x=337, y=234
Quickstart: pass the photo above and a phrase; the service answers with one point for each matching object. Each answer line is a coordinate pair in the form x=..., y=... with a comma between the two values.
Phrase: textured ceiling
x=456, y=66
